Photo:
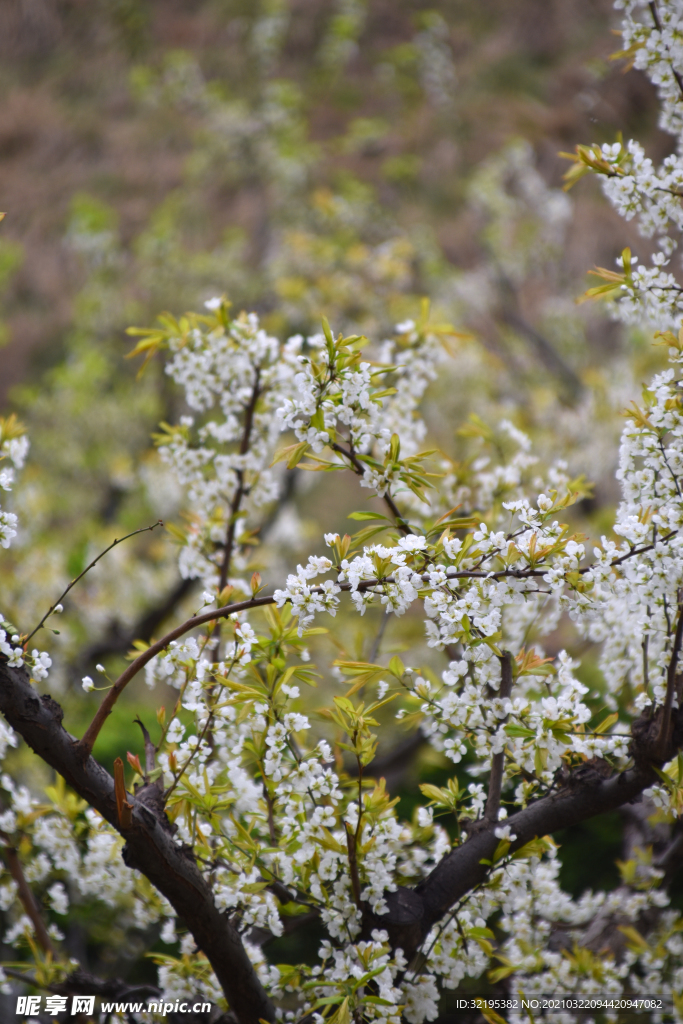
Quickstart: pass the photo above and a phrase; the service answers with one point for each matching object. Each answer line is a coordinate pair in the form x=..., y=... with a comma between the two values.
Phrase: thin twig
x=150, y=749
x=359, y=468
x=498, y=760
x=29, y=979
x=239, y=493
x=195, y=750
x=374, y=650
x=25, y=894
x=119, y=540
x=235, y=504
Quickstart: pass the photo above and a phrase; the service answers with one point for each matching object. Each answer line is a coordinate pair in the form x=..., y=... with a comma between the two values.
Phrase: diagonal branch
x=413, y=912
x=86, y=744
x=359, y=469
x=150, y=847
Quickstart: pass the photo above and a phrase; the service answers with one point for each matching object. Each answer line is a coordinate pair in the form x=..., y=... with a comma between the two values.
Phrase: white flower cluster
x=341, y=398
x=633, y=613
x=652, y=38
x=15, y=448
x=260, y=387
x=270, y=812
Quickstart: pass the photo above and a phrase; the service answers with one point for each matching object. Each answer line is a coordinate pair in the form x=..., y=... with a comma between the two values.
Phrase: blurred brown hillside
x=401, y=96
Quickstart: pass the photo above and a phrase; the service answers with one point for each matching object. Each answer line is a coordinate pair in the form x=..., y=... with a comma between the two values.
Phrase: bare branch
x=119, y=540
x=86, y=744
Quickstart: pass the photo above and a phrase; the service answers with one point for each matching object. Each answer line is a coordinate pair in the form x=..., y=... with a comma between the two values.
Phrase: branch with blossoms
x=246, y=819
x=305, y=598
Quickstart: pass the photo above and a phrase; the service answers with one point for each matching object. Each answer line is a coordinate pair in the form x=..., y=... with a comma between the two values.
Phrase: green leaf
x=294, y=453
x=501, y=850
x=517, y=731
x=499, y=973
x=326, y=331
x=396, y=667
x=607, y=723
x=342, y=1015
x=438, y=796
x=362, y=516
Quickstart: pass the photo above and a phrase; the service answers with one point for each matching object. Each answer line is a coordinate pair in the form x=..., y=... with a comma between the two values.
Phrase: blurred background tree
x=301, y=157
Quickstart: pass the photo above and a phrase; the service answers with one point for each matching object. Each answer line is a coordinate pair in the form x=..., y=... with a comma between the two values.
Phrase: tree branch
x=150, y=847
x=498, y=760
x=239, y=493
x=28, y=900
x=413, y=912
x=658, y=25
x=119, y=641
x=359, y=469
x=87, y=742
x=81, y=983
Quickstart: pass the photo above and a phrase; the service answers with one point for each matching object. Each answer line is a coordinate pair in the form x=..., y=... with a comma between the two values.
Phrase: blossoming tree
x=253, y=820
